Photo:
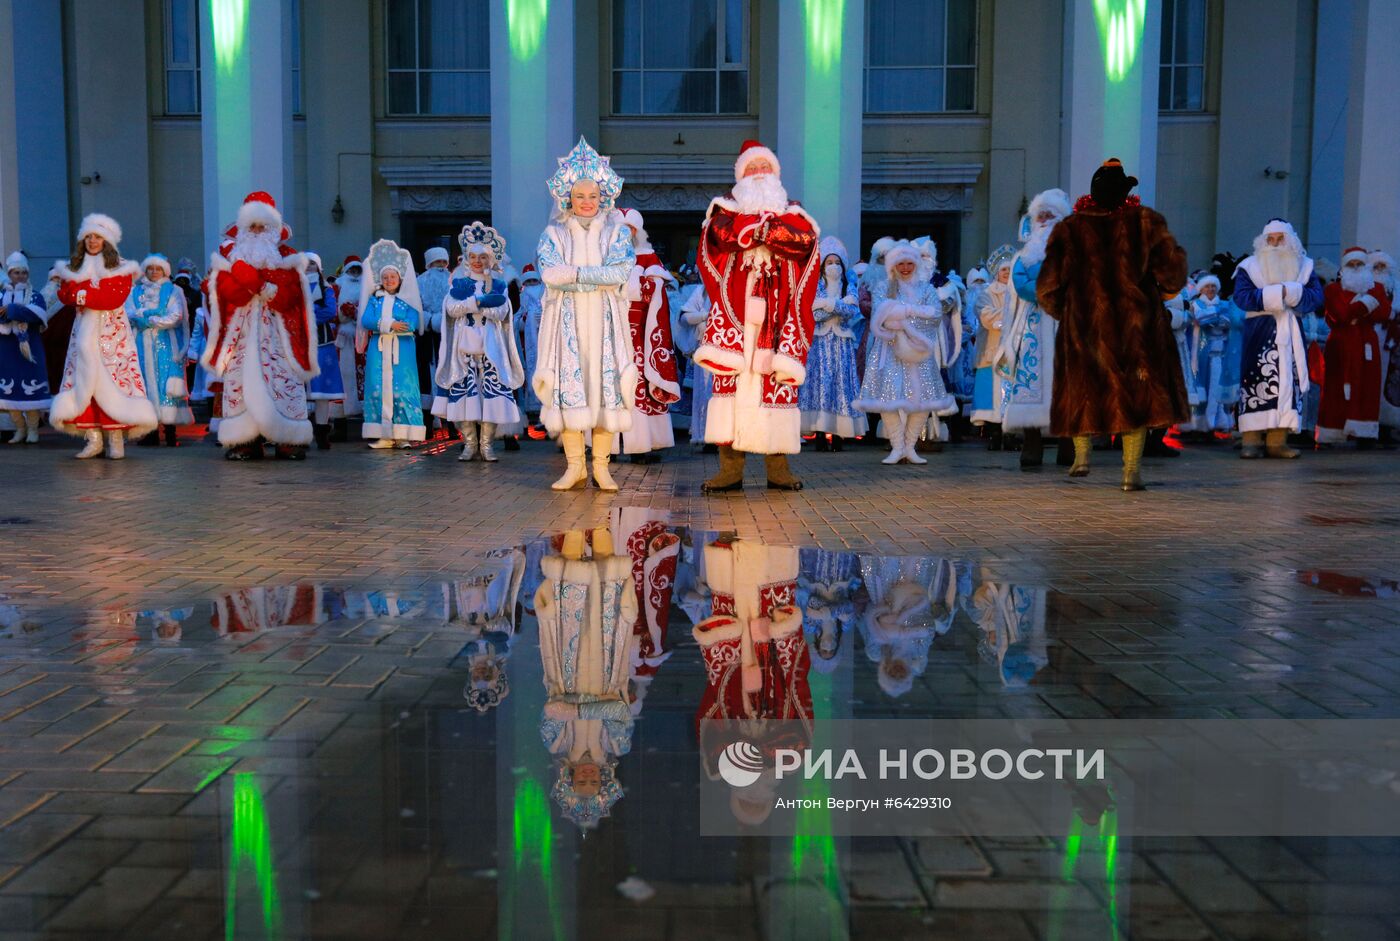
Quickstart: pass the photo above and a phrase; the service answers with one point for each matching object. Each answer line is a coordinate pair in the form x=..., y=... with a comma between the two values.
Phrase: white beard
x=1357, y=280
x=347, y=290
x=761, y=193
x=1278, y=264
x=1387, y=281
x=1034, y=250
x=257, y=249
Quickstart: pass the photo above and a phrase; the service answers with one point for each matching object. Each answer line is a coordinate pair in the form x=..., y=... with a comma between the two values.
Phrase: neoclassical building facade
x=406, y=118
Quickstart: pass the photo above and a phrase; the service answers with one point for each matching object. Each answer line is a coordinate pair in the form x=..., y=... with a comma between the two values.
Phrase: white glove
x=1292, y=293
x=824, y=303
x=269, y=291
x=557, y=275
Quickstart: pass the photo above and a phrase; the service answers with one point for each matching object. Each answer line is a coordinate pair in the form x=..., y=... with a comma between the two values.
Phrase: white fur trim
x=1357, y=255
x=716, y=629
x=159, y=261
x=17, y=262
x=1371, y=258
x=1273, y=297
x=788, y=370
x=85, y=272
x=248, y=213
x=176, y=388
x=1368, y=301
x=1208, y=279
x=98, y=224
x=92, y=382
x=436, y=253
x=718, y=361
x=755, y=153
x=901, y=251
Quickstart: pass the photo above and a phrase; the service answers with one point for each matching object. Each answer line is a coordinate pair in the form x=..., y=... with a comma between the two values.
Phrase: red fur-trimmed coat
x=1104, y=278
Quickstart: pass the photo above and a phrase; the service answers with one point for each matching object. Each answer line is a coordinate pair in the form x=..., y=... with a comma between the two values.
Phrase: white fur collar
x=94, y=269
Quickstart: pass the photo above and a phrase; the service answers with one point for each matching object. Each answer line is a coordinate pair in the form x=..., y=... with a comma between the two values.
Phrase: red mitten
x=248, y=277
x=68, y=292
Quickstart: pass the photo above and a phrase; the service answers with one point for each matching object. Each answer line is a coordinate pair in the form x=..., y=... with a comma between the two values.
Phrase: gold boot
x=1083, y=447
x=1133, y=443
x=780, y=475
x=1253, y=445
x=1276, y=444
x=602, y=453
x=731, y=472
x=576, y=474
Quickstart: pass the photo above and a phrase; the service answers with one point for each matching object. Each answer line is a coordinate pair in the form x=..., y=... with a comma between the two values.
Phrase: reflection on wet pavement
x=515, y=752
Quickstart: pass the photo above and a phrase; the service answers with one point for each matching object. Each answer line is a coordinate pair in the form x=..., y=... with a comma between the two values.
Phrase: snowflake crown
x=386, y=254
x=585, y=163
x=480, y=234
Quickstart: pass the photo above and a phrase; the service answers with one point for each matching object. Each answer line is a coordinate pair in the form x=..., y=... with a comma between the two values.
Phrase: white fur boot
x=34, y=418
x=912, y=430
x=488, y=442
x=116, y=445
x=93, y=448
x=894, y=430
x=576, y=474
x=18, y=418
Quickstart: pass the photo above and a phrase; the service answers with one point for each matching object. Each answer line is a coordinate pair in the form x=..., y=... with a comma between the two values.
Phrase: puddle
x=1348, y=586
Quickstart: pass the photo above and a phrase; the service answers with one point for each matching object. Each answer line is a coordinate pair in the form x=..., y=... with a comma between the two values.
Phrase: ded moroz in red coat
x=1351, y=395
x=761, y=272
x=1104, y=278
x=653, y=353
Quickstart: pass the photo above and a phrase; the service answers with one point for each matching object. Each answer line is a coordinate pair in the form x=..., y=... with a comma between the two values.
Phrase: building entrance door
x=945, y=227
x=420, y=231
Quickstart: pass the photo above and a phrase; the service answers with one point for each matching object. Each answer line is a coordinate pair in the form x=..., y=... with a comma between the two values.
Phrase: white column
x=9, y=149
x=1331, y=76
x=821, y=59
x=1110, y=91
x=1371, y=187
x=533, y=120
x=246, y=105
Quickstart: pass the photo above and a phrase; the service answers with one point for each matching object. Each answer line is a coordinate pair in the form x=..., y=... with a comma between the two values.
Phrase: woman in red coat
x=102, y=392
x=1351, y=397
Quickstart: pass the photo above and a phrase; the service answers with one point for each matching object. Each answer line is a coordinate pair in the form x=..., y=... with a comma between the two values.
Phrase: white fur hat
x=157, y=259
x=436, y=253
x=751, y=151
x=313, y=259
x=1208, y=279
x=98, y=224
x=16, y=262
x=1372, y=257
x=1354, y=254
x=1055, y=200
x=901, y=251
x=877, y=251
x=634, y=218
x=831, y=245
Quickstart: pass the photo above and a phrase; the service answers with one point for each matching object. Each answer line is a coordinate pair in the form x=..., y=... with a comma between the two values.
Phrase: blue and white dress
x=199, y=336
x=585, y=377
x=1027, y=356
x=24, y=378
x=160, y=327
x=1215, y=346
x=329, y=385
x=689, y=325
x=393, y=401
x=531, y=309
x=826, y=398
x=478, y=366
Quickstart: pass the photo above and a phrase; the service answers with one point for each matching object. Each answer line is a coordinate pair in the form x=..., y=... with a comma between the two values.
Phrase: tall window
x=181, y=57
x=438, y=57
x=920, y=56
x=1183, y=83
x=680, y=56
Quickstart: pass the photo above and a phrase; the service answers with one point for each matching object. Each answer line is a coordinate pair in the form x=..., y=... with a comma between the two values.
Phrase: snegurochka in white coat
x=585, y=378
x=478, y=366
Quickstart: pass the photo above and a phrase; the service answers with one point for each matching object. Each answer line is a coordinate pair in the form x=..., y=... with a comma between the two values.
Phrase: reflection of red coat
x=253, y=610
x=282, y=287
x=756, y=658
x=649, y=320
x=654, y=551
x=1351, y=397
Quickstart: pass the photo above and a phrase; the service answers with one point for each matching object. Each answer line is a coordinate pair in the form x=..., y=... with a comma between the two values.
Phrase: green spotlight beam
x=1120, y=24
x=525, y=22
x=230, y=21
x=251, y=847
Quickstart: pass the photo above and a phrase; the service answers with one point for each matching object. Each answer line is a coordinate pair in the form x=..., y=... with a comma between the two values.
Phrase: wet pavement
x=341, y=699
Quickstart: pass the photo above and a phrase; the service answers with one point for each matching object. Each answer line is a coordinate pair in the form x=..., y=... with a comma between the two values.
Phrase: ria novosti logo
x=740, y=764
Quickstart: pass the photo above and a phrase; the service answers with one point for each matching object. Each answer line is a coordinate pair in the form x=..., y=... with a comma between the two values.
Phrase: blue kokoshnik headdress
x=480, y=234
x=585, y=163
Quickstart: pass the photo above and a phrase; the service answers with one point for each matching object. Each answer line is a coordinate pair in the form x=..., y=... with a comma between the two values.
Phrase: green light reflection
x=1120, y=24
x=251, y=846
x=525, y=23
x=229, y=19
x=532, y=850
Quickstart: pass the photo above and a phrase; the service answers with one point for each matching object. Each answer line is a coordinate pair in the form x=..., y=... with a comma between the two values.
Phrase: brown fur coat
x=1103, y=279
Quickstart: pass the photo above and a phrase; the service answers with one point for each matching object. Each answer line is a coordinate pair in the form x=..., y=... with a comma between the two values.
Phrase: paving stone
x=114, y=902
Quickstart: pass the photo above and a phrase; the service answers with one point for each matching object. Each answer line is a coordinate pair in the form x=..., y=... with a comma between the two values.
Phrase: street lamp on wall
x=338, y=211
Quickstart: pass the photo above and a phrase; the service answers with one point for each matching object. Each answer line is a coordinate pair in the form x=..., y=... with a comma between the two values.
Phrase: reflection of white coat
x=1012, y=622
x=901, y=621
